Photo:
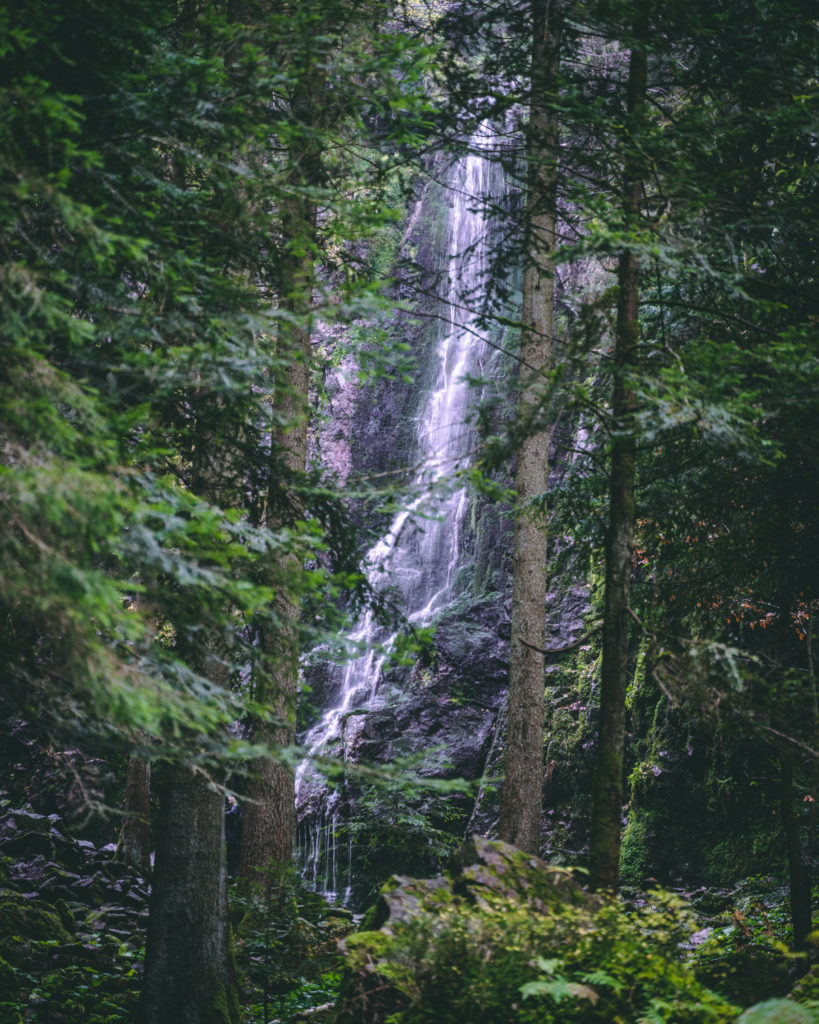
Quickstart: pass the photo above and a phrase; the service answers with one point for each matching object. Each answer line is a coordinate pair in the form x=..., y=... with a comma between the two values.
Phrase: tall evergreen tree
x=520, y=812
x=268, y=820
x=134, y=268
x=608, y=773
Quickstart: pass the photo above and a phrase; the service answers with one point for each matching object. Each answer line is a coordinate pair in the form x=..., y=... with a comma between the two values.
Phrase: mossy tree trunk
x=269, y=811
x=189, y=975
x=520, y=812
x=607, y=787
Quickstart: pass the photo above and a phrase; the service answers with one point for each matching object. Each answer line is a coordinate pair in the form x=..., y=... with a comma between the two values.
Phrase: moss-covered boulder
x=29, y=919
x=9, y=981
x=780, y=1011
x=504, y=938
x=806, y=989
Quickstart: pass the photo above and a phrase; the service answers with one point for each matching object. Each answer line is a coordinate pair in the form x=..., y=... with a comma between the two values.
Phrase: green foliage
x=779, y=1011
x=286, y=947
x=146, y=320
x=401, y=827
x=497, y=961
x=806, y=989
x=746, y=957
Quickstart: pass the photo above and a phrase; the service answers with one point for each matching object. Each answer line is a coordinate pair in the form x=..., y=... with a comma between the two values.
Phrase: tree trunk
x=189, y=975
x=798, y=873
x=134, y=845
x=607, y=789
x=520, y=812
x=189, y=970
x=269, y=812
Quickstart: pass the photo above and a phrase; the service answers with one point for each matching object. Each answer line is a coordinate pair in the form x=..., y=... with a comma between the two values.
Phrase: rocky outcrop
x=446, y=710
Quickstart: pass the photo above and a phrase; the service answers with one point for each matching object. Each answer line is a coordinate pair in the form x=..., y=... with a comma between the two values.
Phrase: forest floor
x=72, y=927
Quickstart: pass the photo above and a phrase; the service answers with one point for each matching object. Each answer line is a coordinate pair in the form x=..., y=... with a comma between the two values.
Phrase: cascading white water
x=419, y=555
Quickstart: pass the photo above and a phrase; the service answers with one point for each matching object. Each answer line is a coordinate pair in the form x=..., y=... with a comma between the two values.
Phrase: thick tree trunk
x=269, y=812
x=189, y=971
x=607, y=792
x=520, y=813
x=134, y=845
x=189, y=974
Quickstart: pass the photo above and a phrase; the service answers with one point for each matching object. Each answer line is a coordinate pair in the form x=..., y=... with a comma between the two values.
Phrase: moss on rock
x=9, y=981
x=31, y=920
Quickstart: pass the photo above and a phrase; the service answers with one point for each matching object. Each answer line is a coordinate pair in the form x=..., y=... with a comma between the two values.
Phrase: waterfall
x=417, y=558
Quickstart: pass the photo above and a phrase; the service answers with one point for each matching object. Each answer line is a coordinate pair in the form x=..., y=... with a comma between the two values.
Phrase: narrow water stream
x=419, y=555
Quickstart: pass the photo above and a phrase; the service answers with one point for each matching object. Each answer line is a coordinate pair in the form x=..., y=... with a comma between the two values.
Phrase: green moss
x=742, y=853
x=634, y=862
x=224, y=1007
x=746, y=976
x=779, y=1011
x=9, y=981
x=807, y=989
x=29, y=919
x=66, y=917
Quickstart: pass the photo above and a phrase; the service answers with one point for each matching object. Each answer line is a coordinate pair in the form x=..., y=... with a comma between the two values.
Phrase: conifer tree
x=607, y=804
x=520, y=812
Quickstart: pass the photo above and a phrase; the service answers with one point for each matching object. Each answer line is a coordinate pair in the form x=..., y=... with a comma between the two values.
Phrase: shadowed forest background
x=409, y=510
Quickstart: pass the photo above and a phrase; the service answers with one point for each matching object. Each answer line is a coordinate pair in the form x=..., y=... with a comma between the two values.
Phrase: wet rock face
x=446, y=709
x=448, y=702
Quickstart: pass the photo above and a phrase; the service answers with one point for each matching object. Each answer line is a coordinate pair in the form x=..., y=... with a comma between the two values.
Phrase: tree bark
x=798, y=873
x=607, y=790
x=269, y=811
x=134, y=845
x=189, y=970
x=189, y=974
x=520, y=812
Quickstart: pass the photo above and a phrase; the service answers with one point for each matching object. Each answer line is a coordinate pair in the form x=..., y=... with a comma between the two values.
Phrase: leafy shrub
x=499, y=960
x=746, y=957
